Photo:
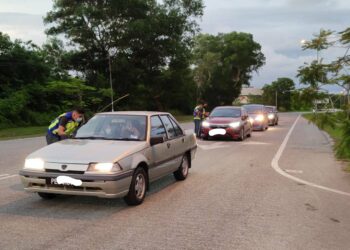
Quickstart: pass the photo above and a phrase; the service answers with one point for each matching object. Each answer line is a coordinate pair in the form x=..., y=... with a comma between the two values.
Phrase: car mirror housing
x=156, y=140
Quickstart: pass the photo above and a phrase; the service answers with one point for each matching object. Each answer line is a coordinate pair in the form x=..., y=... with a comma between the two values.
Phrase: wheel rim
x=184, y=166
x=140, y=186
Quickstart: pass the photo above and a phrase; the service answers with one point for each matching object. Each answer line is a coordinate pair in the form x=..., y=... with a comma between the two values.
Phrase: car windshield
x=226, y=112
x=114, y=127
x=269, y=109
x=253, y=109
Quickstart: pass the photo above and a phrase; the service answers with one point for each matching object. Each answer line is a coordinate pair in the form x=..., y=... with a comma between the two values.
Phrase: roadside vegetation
x=23, y=132
x=338, y=127
x=155, y=55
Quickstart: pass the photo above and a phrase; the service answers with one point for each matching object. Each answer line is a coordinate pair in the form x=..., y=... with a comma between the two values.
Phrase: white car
x=115, y=154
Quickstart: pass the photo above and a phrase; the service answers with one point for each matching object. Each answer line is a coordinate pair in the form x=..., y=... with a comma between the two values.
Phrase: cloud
x=23, y=26
x=278, y=26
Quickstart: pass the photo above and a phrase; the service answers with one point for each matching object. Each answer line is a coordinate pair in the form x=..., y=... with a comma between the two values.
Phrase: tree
x=143, y=39
x=223, y=63
x=281, y=89
x=318, y=73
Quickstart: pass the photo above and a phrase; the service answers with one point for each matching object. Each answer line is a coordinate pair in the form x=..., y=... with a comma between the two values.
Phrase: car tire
x=241, y=135
x=47, y=196
x=138, y=187
x=250, y=133
x=182, y=172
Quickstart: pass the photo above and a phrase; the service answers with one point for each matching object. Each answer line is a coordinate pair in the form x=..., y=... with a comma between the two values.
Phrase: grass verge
x=22, y=132
x=25, y=132
x=334, y=132
x=184, y=118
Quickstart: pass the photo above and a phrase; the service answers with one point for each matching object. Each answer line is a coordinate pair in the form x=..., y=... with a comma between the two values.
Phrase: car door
x=159, y=153
x=246, y=124
x=175, y=142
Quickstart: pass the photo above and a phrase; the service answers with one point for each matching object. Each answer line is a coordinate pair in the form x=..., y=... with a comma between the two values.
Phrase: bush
x=343, y=146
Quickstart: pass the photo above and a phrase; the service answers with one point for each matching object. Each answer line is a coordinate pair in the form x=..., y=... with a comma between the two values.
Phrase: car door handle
x=168, y=145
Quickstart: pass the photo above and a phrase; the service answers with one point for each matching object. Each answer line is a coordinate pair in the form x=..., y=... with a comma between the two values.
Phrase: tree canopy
x=223, y=63
x=146, y=41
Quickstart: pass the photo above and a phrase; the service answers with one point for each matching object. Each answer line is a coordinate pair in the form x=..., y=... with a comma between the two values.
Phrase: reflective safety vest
x=197, y=113
x=71, y=125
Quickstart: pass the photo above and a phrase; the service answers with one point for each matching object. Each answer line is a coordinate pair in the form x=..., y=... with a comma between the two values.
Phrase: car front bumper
x=103, y=186
x=233, y=133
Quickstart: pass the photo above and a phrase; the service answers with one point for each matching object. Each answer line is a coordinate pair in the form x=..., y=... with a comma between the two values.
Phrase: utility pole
x=276, y=100
x=110, y=80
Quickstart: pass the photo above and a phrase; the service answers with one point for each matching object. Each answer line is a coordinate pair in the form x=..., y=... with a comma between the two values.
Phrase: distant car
x=227, y=121
x=272, y=115
x=258, y=116
x=113, y=155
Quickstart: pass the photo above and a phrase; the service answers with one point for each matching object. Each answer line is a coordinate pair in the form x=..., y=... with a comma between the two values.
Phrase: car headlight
x=259, y=118
x=205, y=124
x=105, y=167
x=235, y=124
x=35, y=163
x=271, y=116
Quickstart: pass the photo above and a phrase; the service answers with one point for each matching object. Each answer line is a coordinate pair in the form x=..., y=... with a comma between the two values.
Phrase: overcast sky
x=278, y=25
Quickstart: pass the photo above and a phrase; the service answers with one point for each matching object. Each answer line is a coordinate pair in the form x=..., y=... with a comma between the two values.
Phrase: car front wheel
x=47, y=196
x=241, y=135
x=137, y=190
x=182, y=172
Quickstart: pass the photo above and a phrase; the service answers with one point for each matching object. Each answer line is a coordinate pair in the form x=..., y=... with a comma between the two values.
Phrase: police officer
x=64, y=125
x=197, y=118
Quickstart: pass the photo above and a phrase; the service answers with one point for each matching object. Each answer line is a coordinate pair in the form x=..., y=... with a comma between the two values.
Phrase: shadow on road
x=73, y=207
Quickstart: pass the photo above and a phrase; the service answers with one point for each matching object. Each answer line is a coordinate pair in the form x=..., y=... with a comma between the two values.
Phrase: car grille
x=63, y=172
x=218, y=126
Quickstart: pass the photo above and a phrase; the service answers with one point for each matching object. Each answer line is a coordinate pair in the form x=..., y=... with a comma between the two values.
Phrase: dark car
x=227, y=122
x=258, y=116
x=272, y=115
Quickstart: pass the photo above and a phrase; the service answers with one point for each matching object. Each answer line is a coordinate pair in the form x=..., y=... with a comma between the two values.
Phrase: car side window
x=157, y=128
x=168, y=126
x=178, y=130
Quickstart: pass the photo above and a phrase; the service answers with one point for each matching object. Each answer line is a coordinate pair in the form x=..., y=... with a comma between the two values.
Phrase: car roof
x=253, y=105
x=268, y=106
x=147, y=113
x=227, y=107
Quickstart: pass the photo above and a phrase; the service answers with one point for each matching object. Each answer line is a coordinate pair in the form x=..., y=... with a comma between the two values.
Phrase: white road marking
x=255, y=143
x=6, y=177
x=293, y=171
x=213, y=146
x=2, y=175
x=276, y=167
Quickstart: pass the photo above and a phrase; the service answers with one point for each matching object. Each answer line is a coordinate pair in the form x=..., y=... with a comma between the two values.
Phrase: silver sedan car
x=115, y=154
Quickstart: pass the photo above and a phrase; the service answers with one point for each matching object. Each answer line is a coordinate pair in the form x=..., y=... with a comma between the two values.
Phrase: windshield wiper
x=127, y=139
x=94, y=138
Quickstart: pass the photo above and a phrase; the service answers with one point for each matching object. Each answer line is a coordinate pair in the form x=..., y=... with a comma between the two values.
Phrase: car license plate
x=65, y=180
x=217, y=131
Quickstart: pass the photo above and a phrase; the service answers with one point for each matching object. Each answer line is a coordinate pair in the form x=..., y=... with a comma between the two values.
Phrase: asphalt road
x=254, y=194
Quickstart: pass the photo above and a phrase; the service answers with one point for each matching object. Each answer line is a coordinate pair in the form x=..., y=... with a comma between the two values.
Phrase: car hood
x=222, y=120
x=86, y=151
x=255, y=115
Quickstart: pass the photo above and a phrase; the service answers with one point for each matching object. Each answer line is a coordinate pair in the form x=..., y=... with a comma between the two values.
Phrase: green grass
x=184, y=118
x=23, y=132
x=335, y=133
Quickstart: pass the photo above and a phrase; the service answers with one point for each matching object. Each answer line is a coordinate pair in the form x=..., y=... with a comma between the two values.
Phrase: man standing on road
x=64, y=125
x=199, y=115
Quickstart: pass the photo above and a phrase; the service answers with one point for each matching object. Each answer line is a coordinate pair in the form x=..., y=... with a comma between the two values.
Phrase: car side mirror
x=156, y=140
